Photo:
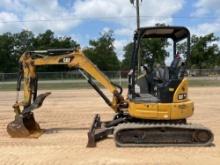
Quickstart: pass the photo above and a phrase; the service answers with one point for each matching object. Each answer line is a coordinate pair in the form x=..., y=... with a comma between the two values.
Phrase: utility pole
x=138, y=14
x=138, y=26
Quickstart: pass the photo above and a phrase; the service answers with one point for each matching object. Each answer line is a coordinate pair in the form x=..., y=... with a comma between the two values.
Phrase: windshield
x=160, y=50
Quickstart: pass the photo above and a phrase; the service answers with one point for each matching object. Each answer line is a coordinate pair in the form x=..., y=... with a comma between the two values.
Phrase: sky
x=84, y=20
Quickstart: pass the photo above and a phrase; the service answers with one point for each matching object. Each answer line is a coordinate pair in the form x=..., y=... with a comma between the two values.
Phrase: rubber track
x=151, y=125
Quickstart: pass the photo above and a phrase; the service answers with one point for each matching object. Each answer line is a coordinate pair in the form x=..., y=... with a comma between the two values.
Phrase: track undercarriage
x=130, y=132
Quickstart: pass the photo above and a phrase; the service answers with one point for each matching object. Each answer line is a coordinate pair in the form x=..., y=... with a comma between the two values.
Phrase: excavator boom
x=24, y=124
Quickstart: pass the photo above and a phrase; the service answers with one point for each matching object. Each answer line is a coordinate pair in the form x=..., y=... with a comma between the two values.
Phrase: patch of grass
x=201, y=83
x=70, y=85
x=7, y=87
x=47, y=86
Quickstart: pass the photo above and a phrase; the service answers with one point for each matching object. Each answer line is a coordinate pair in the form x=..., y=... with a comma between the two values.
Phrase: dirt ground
x=67, y=115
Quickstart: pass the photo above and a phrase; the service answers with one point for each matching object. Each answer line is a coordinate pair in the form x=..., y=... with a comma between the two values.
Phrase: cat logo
x=66, y=59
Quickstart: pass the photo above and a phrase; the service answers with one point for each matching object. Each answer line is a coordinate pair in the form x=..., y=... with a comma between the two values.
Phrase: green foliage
x=7, y=56
x=152, y=50
x=13, y=45
x=47, y=40
x=23, y=41
x=102, y=52
x=126, y=62
x=204, y=51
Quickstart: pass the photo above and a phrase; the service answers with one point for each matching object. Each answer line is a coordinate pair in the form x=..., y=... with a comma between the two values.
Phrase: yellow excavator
x=153, y=113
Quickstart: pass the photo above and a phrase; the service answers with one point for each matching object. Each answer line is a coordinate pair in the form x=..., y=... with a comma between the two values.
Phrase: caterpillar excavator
x=154, y=112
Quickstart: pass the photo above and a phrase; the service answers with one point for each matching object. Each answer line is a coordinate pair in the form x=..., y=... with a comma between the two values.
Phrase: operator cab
x=150, y=79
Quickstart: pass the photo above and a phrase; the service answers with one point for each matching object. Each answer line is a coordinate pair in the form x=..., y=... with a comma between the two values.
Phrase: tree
x=44, y=40
x=13, y=45
x=7, y=57
x=23, y=41
x=102, y=52
x=204, y=51
x=152, y=50
x=47, y=40
x=126, y=62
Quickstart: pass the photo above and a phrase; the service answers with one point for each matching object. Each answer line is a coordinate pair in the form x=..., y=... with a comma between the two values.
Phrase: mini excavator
x=156, y=108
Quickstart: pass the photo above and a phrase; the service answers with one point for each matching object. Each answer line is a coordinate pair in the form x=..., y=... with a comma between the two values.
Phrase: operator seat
x=173, y=77
x=152, y=84
x=158, y=77
x=177, y=67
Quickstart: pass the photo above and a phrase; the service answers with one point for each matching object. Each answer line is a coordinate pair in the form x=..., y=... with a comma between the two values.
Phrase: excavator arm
x=74, y=59
x=25, y=124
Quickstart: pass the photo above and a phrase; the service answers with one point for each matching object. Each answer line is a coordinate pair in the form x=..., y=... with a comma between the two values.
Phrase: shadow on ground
x=56, y=130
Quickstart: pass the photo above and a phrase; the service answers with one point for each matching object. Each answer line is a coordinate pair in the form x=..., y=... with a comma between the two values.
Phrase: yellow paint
x=75, y=59
x=181, y=89
x=161, y=111
x=179, y=109
x=141, y=110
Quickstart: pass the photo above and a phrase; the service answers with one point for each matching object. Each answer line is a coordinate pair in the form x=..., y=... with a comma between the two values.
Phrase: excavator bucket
x=24, y=127
x=24, y=124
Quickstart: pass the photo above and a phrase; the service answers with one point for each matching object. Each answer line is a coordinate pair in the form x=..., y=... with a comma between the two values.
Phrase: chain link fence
x=74, y=79
x=204, y=72
x=61, y=80
x=72, y=75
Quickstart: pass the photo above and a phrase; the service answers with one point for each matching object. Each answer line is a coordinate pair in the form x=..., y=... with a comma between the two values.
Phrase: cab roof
x=176, y=33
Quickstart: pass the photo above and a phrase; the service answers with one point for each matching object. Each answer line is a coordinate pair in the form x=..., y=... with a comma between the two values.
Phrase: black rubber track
x=161, y=135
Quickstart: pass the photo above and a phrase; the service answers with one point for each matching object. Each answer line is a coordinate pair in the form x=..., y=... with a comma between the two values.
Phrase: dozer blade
x=24, y=124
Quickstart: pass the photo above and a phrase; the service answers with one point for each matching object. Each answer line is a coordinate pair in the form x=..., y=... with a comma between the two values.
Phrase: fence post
x=120, y=78
x=3, y=77
x=62, y=76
